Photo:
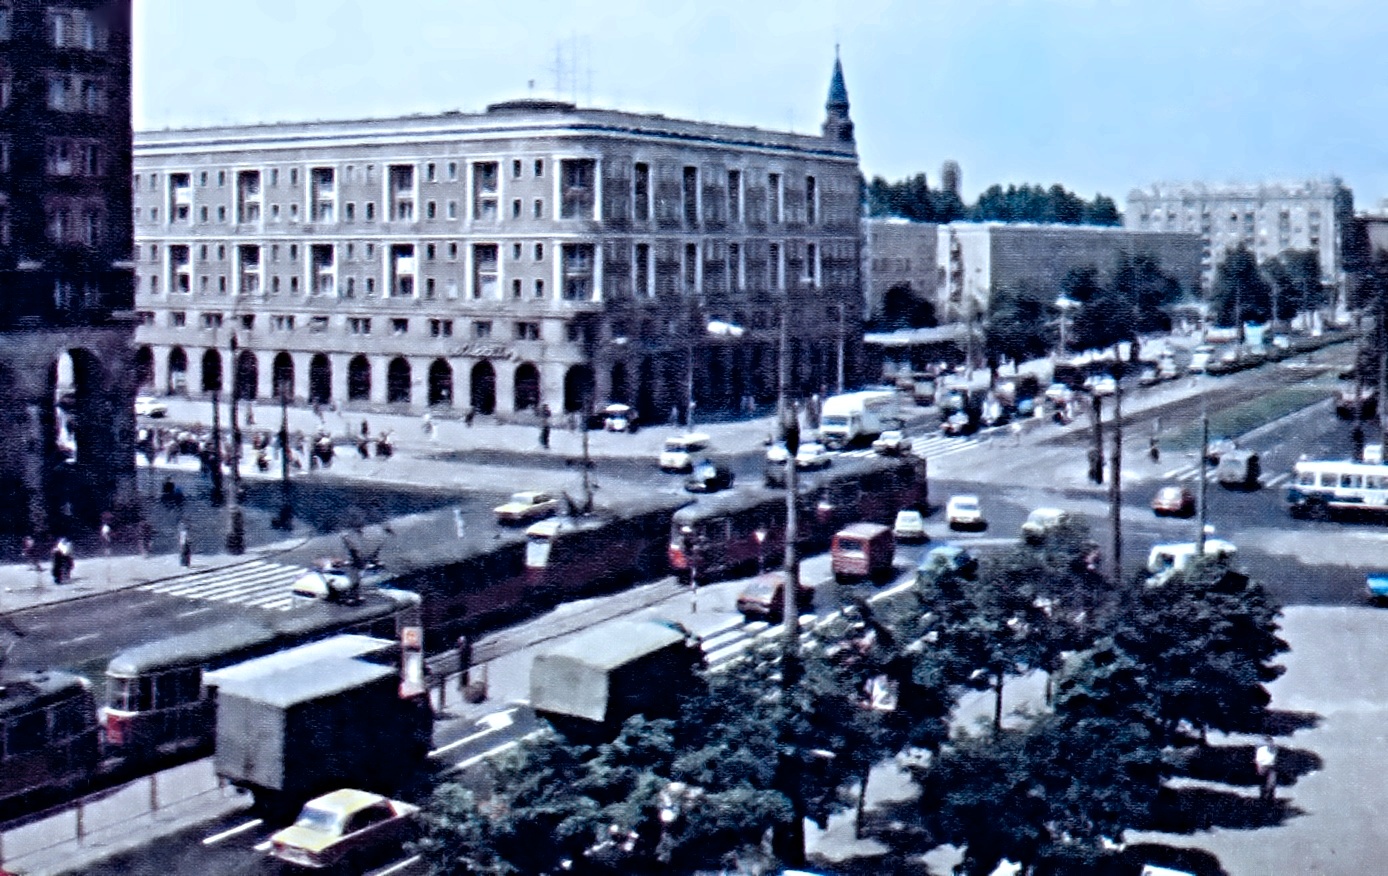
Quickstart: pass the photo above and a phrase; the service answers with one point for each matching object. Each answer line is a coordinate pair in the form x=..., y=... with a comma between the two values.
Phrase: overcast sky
x=1097, y=95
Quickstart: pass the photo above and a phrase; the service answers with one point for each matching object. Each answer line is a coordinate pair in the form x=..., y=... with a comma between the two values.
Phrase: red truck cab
x=861, y=551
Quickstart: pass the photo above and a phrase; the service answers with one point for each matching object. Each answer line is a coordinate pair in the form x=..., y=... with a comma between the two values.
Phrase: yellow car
x=345, y=827
x=527, y=506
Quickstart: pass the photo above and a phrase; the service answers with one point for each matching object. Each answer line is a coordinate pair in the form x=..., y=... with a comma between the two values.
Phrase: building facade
x=975, y=258
x=66, y=315
x=901, y=271
x=1267, y=218
x=536, y=255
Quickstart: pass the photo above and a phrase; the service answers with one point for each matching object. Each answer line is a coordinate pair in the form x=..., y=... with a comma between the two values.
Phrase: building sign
x=486, y=351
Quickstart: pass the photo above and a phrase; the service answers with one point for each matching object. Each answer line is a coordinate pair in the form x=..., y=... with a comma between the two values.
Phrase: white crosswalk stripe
x=255, y=583
x=928, y=446
x=1193, y=474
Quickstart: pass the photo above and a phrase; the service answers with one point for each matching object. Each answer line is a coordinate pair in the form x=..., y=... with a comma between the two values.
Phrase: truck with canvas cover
x=299, y=728
x=586, y=687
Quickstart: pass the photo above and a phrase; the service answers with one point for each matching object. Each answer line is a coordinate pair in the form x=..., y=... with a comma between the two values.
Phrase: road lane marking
x=197, y=611
x=87, y=638
x=396, y=868
x=263, y=847
x=495, y=721
x=227, y=834
x=492, y=752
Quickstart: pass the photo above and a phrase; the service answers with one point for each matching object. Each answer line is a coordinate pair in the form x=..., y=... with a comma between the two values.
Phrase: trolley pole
x=236, y=535
x=285, y=520
x=1115, y=486
x=1204, y=486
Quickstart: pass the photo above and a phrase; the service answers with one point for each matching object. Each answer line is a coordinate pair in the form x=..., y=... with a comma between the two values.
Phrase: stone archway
x=527, y=394
x=359, y=379
x=178, y=372
x=646, y=404
x=282, y=381
x=483, y=388
x=398, y=381
x=320, y=380
x=247, y=375
x=618, y=391
x=144, y=369
x=440, y=384
x=578, y=388
x=211, y=371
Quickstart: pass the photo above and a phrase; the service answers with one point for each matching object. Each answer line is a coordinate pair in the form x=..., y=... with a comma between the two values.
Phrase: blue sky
x=1098, y=95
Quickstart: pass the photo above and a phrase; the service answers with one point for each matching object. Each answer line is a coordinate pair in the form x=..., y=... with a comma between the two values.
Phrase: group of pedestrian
x=61, y=554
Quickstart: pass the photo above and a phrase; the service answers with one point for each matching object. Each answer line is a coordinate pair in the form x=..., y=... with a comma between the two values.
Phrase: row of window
x=697, y=200
x=66, y=28
x=437, y=327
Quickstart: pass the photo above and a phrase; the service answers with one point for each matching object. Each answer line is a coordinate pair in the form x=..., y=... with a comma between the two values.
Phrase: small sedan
x=893, y=442
x=709, y=477
x=527, y=506
x=1173, y=502
x=149, y=406
x=346, y=828
x=910, y=525
x=812, y=456
x=764, y=598
x=964, y=512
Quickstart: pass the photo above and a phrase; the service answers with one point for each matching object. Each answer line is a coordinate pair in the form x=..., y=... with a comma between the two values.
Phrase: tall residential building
x=1267, y=218
x=538, y=254
x=66, y=314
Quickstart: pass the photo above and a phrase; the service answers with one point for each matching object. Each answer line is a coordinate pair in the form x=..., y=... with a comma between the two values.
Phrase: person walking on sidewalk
x=1265, y=761
x=185, y=546
x=62, y=561
x=31, y=553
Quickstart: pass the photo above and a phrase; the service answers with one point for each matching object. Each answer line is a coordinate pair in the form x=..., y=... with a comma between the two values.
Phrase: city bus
x=1321, y=489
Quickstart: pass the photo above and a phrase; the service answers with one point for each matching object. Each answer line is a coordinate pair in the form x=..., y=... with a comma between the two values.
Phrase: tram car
x=49, y=738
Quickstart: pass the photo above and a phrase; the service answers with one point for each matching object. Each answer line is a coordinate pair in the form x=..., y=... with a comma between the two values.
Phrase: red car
x=1173, y=502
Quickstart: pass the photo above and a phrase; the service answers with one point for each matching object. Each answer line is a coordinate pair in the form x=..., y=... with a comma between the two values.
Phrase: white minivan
x=679, y=452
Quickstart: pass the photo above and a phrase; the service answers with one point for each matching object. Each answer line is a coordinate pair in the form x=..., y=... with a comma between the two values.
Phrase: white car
x=909, y=526
x=1102, y=385
x=892, y=442
x=149, y=406
x=812, y=456
x=678, y=452
x=963, y=512
x=527, y=506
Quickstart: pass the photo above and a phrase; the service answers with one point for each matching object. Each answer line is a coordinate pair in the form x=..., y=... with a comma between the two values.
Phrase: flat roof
x=348, y=645
x=306, y=682
x=613, y=644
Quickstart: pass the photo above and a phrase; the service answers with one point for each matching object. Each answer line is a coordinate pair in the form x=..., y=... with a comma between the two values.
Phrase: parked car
x=1150, y=376
x=959, y=423
x=678, y=452
x=709, y=477
x=619, y=418
x=1101, y=385
x=527, y=506
x=1239, y=470
x=1173, y=501
x=910, y=525
x=764, y=598
x=346, y=829
x=892, y=442
x=812, y=456
x=1041, y=522
x=1217, y=448
x=964, y=512
x=149, y=406
x=1200, y=359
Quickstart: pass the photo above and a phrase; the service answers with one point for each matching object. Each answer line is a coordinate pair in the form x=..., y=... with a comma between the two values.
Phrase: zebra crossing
x=929, y=446
x=255, y=583
x=1187, y=474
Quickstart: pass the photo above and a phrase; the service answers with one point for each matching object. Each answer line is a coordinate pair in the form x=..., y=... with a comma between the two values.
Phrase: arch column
x=552, y=384
x=419, y=381
x=505, y=385
x=339, y=378
x=302, y=360
x=380, y=375
x=161, y=368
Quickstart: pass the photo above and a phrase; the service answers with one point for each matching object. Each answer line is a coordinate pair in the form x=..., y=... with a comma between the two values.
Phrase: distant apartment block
x=1267, y=218
x=538, y=254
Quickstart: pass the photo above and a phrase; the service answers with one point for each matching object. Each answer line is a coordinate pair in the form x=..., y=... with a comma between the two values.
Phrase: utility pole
x=236, y=535
x=217, y=495
x=1382, y=373
x=285, y=520
x=1204, y=485
x=842, y=344
x=1115, y=487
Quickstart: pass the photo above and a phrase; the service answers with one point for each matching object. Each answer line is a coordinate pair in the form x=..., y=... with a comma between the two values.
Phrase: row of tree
x=1024, y=321
x=1278, y=289
x=1137, y=670
x=912, y=198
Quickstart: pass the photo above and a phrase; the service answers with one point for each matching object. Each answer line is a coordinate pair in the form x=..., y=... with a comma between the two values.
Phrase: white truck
x=1166, y=560
x=857, y=416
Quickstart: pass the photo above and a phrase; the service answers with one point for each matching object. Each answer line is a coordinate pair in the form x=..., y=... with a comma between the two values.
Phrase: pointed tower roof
x=837, y=125
x=838, y=92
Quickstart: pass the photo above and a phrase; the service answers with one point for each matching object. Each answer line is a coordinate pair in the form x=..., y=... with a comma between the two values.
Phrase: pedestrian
x=185, y=546
x=106, y=538
x=467, y=417
x=146, y=536
x=31, y=553
x=1153, y=450
x=62, y=561
x=544, y=434
x=363, y=448
x=426, y=425
x=1265, y=762
x=250, y=415
x=674, y=414
x=365, y=430
x=1016, y=429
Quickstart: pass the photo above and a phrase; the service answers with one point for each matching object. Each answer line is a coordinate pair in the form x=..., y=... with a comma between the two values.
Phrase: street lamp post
x=236, y=534
x=1065, y=305
x=217, y=496
x=285, y=520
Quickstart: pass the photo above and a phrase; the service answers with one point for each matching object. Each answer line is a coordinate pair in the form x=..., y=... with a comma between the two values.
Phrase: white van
x=1200, y=359
x=1166, y=560
x=679, y=451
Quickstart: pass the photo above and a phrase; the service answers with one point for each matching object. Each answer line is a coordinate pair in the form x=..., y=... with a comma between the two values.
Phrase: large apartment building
x=1267, y=218
x=535, y=255
x=66, y=316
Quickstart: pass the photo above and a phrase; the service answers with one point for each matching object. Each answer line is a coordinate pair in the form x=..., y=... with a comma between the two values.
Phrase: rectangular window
x=516, y=208
x=399, y=327
x=539, y=252
x=349, y=211
x=222, y=214
x=452, y=170
x=689, y=193
x=577, y=271
x=429, y=251
x=370, y=211
x=539, y=209
x=400, y=186
x=515, y=252
x=430, y=174
x=452, y=209
x=359, y=325
x=431, y=210
x=178, y=319
x=318, y=324
x=735, y=266
x=274, y=176
x=539, y=288
x=773, y=198
x=440, y=328
x=482, y=329
x=577, y=188
x=811, y=200
x=322, y=194
x=641, y=270
x=641, y=192
x=452, y=251
x=734, y=196
x=516, y=288
x=484, y=270
x=691, y=266
x=775, y=274
x=484, y=191
x=516, y=169
x=527, y=331
x=812, y=265
x=539, y=167
x=282, y=323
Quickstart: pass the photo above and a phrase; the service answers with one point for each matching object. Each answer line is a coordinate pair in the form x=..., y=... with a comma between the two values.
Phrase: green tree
x=1139, y=281
x=1208, y=639
x=1294, y=278
x=1240, y=293
x=1018, y=323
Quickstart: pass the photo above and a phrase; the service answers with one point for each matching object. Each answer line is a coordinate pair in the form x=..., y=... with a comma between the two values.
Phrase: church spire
x=837, y=124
